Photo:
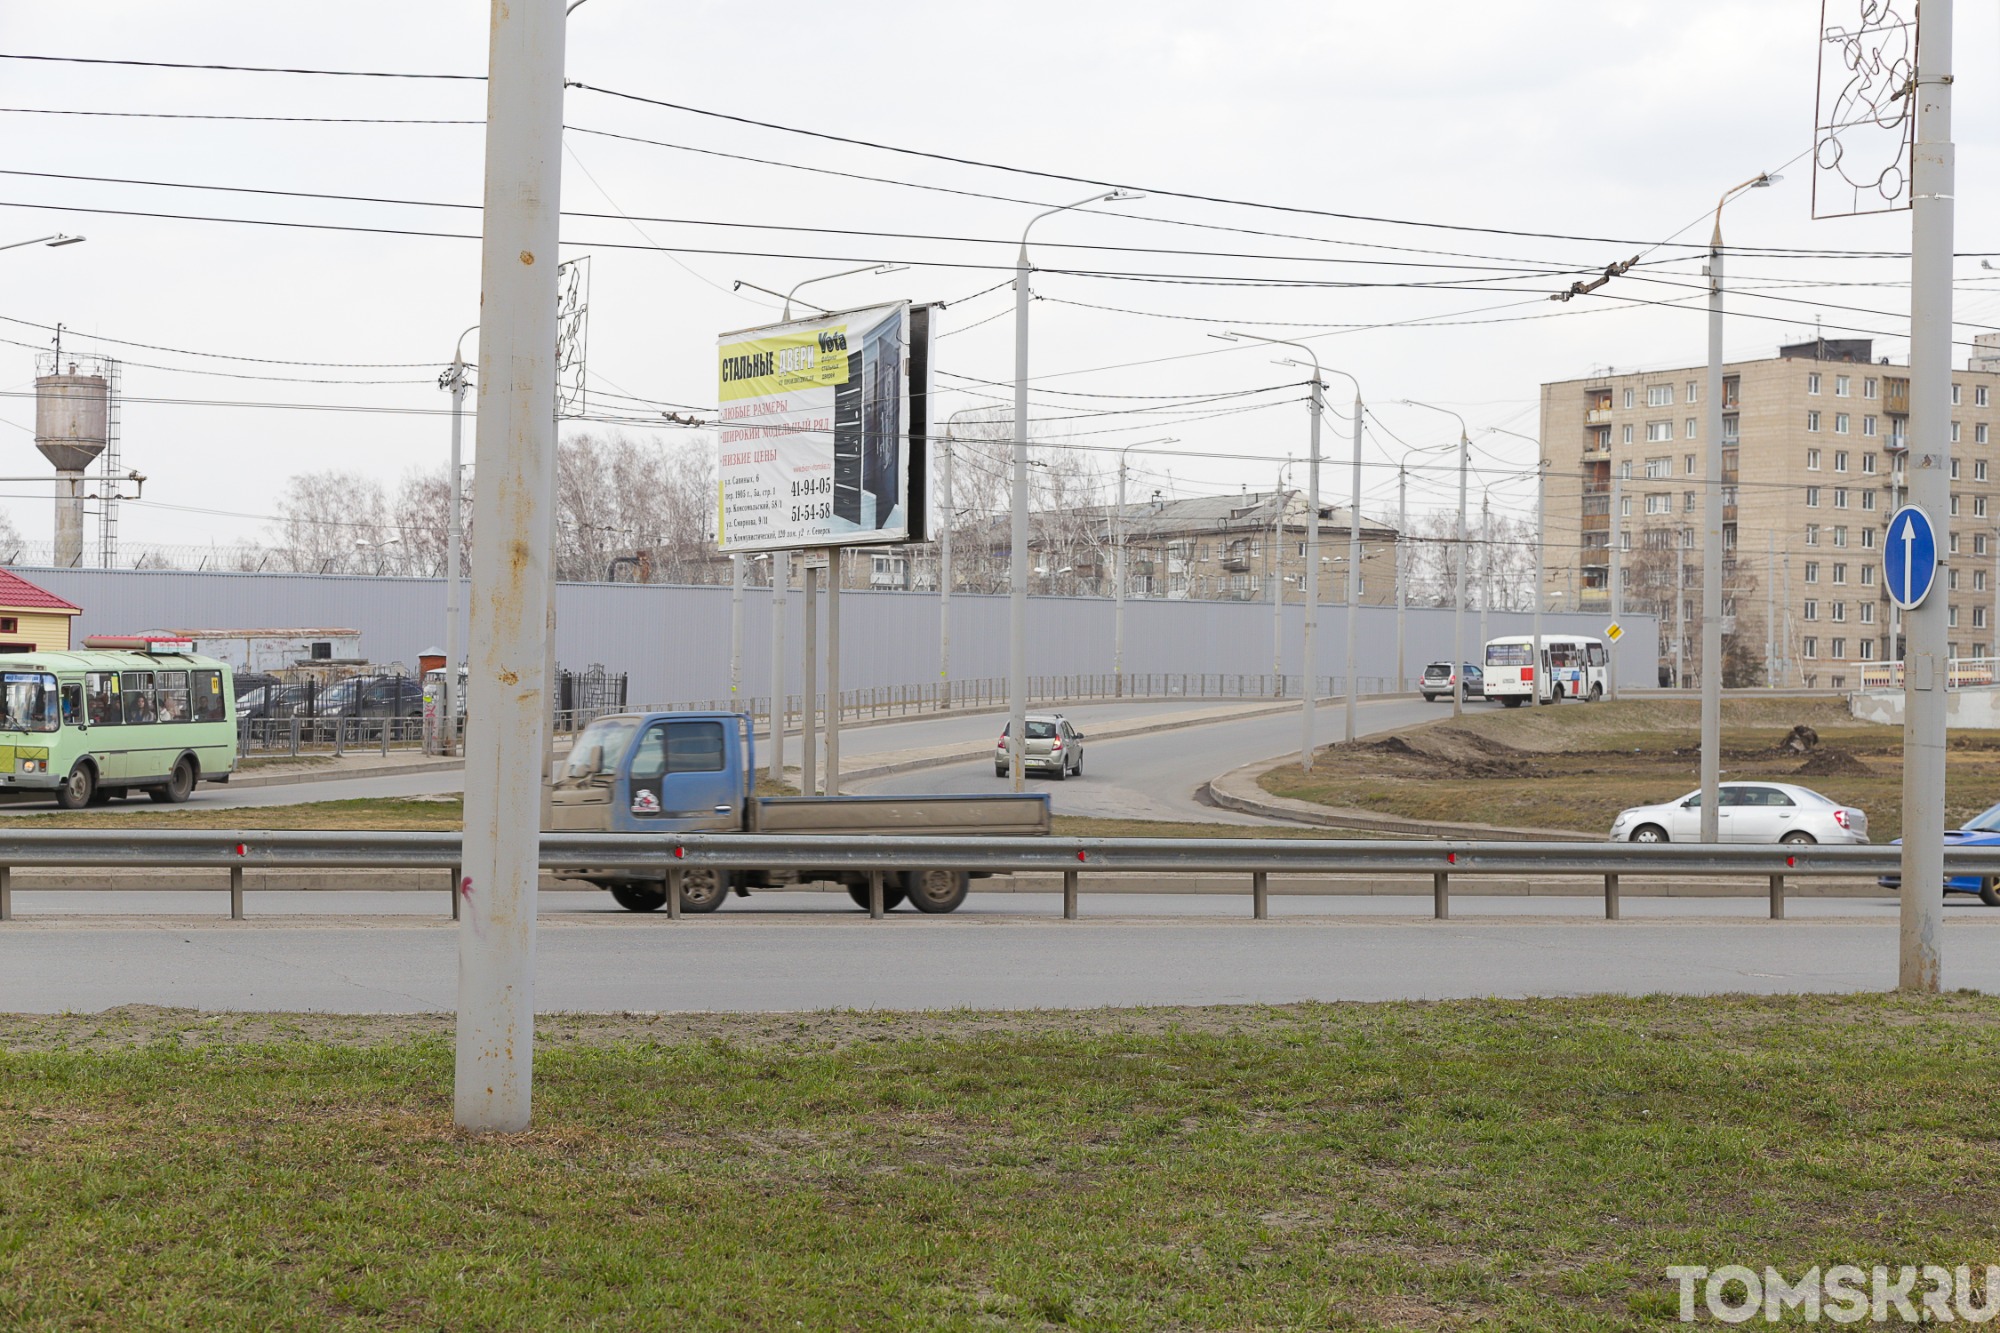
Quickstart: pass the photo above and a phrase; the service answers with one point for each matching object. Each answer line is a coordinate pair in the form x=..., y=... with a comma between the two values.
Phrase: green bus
x=126, y=715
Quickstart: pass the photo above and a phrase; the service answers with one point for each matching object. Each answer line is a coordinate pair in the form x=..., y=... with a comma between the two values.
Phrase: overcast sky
x=1618, y=123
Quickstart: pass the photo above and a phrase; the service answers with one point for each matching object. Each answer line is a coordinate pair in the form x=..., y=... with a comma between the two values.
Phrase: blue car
x=1982, y=830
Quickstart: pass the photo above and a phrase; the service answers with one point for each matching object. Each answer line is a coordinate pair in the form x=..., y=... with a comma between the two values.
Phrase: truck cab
x=656, y=773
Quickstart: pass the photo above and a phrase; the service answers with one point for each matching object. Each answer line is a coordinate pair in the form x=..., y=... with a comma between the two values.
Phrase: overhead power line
x=241, y=69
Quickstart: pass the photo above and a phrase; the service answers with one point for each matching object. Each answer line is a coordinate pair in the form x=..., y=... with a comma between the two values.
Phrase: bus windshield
x=27, y=701
x=1509, y=654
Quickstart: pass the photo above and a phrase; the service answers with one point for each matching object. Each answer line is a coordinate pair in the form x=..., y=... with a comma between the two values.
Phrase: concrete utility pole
x=1402, y=570
x=835, y=569
x=735, y=628
x=1017, y=602
x=948, y=512
x=454, y=538
x=781, y=579
x=1618, y=571
x=508, y=677
x=1680, y=604
x=1933, y=173
x=1458, y=609
x=1353, y=691
x=1308, y=666
x=1485, y=561
x=1541, y=571
x=1711, y=545
x=1770, y=606
x=1118, y=532
x=1278, y=585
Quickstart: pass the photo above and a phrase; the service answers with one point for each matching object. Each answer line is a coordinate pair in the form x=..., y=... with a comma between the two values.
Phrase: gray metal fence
x=1255, y=859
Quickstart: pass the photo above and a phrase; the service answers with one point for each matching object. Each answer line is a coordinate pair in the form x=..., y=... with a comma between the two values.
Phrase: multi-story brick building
x=1815, y=448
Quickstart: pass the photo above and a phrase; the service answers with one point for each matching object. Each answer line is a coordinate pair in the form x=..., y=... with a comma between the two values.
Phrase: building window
x=1979, y=580
x=1811, y=609
x=1868, y=465
x=1839, y=650
x=1840, y=497
x=1687, y=465
x=1954, y=543
x=1954, y=395
x=1951, y=616
x=1951, y=580
x=1841, y=386
x=1839, y=572
x=1868, y=501
x=1979, y=395
x=1657, y=468
x=1812, y=534
x=1624, y=506
x=1867, y=539
x=1979, y=543
x=1812, y=382
x=1659, y=395
x=1812, y=497
x=1840, y=423
x=1867, y=388
x=1628, y=425
x=1954, y=506
x=1867, y=613
x=1839, y=535
x=1868, y=576
x=1840, y=611
x=1659, y=432
x=1868, y=426
x=1954, y=432
x=1812, y=571
x=1809, y=647
x=1840, y=460
x=1979, y=617
x=1687, y=502
x=1979, y=431
x=1628, y=398
x=1954, y=469
x=1812, y=460
x=1625, y=537
x=1659, y=502
x=1979, y=506
x=1812, y=421
x=1693, y=392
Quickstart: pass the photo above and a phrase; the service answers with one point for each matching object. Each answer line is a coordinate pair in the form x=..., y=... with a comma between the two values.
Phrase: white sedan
x=1747, y=812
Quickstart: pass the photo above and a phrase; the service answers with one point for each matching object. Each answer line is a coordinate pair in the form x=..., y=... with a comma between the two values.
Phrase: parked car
x=1982, y=830
x=1053, y=746
x=367, y=698
x=264, y=702
x=1747, y=812
x=1438, y=679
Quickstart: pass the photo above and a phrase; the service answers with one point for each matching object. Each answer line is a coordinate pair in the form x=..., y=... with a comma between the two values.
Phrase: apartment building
x=1238, y=547
x=1814, y=450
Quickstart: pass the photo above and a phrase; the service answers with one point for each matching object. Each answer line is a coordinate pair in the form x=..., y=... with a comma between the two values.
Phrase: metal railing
x=669, y=857
x=1960, y=673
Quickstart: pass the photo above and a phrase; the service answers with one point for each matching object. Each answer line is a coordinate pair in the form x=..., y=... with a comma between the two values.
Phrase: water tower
x=72, y=423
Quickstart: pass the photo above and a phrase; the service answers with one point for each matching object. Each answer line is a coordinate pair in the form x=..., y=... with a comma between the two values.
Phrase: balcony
x=1593, y=599
x=1236, y=564
x=1597, y=416
x=1896, y=397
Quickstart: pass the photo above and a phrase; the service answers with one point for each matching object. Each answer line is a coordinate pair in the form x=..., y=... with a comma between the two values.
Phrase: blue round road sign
x=1909, y=557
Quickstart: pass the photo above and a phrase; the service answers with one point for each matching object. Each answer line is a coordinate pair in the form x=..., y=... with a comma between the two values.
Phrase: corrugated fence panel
x=674, y=641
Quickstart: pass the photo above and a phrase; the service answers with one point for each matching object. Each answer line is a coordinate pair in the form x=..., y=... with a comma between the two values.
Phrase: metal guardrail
x=878, y=856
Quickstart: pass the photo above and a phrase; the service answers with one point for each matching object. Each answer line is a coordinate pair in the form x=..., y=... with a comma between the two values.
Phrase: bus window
x=173, y=694
x=1598, y=657
x=72, y=703
x=208, y=704
x=105, y=708
x=27, y=701
x=137, y=687
x=1509, y=654
x=1562, y=654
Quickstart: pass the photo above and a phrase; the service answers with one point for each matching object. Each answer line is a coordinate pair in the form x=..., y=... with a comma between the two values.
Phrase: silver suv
x=1054, y=746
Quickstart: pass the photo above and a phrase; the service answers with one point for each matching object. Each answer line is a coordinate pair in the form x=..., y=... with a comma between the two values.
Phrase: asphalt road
x=823, y=957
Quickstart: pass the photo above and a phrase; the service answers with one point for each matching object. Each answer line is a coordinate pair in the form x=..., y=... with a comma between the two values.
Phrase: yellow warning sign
x=1614, y=631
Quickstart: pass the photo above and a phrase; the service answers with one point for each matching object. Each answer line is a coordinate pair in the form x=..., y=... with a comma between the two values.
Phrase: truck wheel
x=179, y=784
x=936, y=891
x=1988, y=894
x=78, y=788
x=703, y=890
x=639, y=897
x=892, y=894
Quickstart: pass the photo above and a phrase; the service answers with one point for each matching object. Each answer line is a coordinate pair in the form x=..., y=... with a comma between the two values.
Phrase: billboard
x=822, y=432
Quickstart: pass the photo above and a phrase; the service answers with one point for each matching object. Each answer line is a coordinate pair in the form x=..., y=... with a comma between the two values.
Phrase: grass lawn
x=1575, y=766
x=1528, y=1166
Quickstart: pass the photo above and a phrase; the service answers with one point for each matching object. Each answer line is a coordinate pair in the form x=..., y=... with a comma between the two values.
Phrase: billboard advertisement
x=823, y=421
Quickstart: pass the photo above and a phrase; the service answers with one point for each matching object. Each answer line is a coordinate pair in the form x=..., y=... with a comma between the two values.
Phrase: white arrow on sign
x=1909, y=560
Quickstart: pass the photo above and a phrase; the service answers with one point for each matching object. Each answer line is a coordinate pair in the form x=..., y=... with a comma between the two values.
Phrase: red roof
x=17, y=593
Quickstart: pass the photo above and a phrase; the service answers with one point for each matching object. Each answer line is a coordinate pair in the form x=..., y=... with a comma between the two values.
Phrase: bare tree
x=334, y=522
x=624, y=499
x=423, y=521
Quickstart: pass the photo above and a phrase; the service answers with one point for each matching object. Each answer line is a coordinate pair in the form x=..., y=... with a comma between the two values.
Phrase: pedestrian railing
x=1255, y=859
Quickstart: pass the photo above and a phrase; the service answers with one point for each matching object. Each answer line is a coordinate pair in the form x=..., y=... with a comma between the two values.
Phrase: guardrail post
x=339, y=737
x=1777, y=897
x=6, y=893
x=295, y=736
x=387, y=723
x=674, y=877
x=457, y=878
x=236, y=893
x=1069, y=895
x=1260, y=894
x=1611, y=897
x=1441, y=895
x=875, y=895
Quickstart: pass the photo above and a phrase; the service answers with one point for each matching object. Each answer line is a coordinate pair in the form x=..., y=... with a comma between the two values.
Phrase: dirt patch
x=1440, y=752
x=1831, y=763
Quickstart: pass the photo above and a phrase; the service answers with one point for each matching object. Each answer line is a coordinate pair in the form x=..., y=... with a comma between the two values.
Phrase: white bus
x=1570, y=667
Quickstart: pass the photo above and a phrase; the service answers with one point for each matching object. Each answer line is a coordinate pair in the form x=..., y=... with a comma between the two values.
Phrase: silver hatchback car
x=1747, y=812
x=1054, y=747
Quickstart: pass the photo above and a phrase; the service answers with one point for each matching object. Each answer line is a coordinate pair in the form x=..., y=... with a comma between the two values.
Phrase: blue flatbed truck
x=672, y=773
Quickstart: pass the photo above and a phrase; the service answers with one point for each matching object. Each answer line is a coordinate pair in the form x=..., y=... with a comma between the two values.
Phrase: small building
x=33, y=619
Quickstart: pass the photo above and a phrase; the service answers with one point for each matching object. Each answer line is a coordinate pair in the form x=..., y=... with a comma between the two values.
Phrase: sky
x=1506, y=151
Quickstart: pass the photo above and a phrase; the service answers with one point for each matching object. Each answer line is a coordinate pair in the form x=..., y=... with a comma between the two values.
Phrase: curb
x=1238, y=790
x=340, y=774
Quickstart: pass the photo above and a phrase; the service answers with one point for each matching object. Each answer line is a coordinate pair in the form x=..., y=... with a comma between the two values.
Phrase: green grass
x=1576, y=766
x=1516, y=1165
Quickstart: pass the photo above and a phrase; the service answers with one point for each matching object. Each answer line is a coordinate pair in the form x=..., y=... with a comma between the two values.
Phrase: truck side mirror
x=596, y=758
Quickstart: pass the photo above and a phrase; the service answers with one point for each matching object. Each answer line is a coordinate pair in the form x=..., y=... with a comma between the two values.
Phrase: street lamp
x=786, y=297
x=1278, y=581
x=1458, y=609
x=1711, y=548
x=1017, y=609
x=454, y=380
x=1306, y=661
x=51, y=241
